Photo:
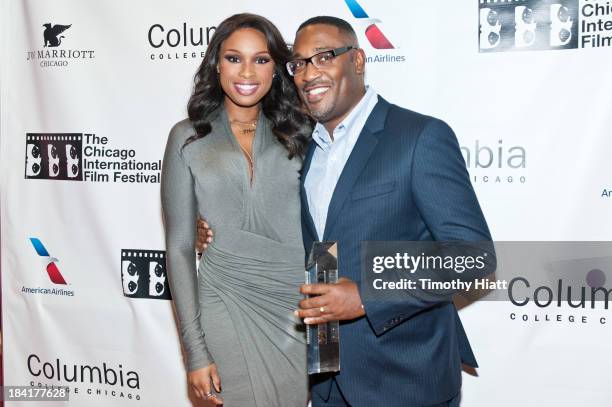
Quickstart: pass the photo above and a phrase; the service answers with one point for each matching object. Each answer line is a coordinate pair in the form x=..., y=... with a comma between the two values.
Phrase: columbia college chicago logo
x=143, y=274
x=54, y=156
x=523, y=25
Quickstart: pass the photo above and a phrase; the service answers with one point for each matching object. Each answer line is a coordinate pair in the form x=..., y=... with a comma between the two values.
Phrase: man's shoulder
x=406, y=121
x=404, y=116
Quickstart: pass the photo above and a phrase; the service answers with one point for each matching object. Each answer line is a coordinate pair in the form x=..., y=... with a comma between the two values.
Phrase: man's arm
x=447, y=203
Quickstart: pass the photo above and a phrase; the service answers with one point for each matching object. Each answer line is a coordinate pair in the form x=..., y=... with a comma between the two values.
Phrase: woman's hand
x=201, y=379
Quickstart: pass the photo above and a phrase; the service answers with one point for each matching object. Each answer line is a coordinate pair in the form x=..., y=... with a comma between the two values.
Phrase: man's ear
x=360, y=61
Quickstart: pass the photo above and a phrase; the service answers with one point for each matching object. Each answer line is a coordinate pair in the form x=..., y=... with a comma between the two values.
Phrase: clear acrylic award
x=323, y=339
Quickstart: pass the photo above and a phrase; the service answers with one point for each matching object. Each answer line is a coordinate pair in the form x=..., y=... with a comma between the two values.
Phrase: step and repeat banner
x=90, y=90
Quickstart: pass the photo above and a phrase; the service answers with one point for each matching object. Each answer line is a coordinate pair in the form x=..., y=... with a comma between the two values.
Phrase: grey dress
x=238, y=310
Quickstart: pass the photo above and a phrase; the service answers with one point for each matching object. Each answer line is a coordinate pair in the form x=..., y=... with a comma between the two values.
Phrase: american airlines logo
x=373, y=33
x=50, y=262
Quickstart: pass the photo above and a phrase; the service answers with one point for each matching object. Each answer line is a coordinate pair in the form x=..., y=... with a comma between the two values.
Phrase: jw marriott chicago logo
x=58, y=48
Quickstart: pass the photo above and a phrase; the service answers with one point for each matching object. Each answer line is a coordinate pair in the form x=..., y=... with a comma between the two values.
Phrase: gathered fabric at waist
x=249, y=246
x=271, y=268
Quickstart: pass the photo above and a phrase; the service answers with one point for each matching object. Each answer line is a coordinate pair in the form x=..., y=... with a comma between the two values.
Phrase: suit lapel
x=365, y=145
x=306, y=216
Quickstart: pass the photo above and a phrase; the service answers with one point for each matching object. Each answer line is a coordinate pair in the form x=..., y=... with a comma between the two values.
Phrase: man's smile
x=314, y=93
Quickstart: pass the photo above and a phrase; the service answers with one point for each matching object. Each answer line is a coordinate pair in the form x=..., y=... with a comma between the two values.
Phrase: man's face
x=329, y=92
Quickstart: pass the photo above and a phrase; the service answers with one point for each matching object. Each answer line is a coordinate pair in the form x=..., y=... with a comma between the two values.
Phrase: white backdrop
x=533, y=120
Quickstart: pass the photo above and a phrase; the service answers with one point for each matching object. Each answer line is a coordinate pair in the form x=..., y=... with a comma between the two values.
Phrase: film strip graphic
x=57, y=156
x=524, y=25
x=143, y=274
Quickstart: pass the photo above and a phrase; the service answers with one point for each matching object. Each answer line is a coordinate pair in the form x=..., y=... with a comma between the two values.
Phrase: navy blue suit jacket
x=404, y=180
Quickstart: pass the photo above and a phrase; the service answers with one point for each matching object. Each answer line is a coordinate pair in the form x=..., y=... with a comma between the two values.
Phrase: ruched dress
x=237, y=308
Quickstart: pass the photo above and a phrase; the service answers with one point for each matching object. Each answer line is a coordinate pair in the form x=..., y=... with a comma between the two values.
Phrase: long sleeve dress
x=237, y=310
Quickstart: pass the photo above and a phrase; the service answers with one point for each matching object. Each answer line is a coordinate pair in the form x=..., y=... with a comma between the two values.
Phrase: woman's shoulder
x=181, y=131
x=184, y=129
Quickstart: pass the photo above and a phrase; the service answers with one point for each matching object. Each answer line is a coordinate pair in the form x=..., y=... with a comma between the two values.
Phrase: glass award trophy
x=323, y=339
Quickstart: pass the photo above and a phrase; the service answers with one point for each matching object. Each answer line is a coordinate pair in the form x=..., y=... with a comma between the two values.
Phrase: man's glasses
x=320, y=60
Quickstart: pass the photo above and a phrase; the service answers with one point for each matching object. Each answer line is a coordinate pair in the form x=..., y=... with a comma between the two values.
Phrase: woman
x=236, y=161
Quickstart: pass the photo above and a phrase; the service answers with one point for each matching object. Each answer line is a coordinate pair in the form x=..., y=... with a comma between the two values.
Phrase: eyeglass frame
x=336, y=52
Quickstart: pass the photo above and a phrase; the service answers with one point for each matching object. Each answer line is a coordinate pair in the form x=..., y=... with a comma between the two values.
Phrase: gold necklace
x=250, y=129
x=250, y=126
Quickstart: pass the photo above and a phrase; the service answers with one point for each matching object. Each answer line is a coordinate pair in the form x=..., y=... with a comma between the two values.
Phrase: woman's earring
x=274, y=75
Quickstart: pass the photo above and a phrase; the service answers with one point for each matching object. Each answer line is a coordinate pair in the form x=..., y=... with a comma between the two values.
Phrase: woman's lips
x=246, y=89
x=315, y=94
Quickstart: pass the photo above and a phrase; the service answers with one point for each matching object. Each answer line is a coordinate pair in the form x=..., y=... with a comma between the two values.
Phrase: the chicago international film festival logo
x=523, y=25
x=50, y=262
x=374, y=34
x=54, y=156
x=143, y=274
x=57, y=50
x=85, y=157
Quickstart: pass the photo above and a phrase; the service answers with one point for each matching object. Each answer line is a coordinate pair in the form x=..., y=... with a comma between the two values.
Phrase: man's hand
x=333, y=302
x=204, y=236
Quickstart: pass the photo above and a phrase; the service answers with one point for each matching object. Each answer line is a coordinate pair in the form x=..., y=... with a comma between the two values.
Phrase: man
x=377, y=172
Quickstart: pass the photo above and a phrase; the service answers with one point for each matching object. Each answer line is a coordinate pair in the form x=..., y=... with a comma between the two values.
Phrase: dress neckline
x=258, y=143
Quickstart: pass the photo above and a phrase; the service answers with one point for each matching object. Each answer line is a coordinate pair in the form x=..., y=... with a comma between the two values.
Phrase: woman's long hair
x=280, y=105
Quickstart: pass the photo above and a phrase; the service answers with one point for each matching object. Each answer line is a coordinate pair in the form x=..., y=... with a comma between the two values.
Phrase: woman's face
x=245, y=67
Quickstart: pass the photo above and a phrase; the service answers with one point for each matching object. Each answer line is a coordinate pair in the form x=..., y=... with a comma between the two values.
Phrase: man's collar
x=320, y=134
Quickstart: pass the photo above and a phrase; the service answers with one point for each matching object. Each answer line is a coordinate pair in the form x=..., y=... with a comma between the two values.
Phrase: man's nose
x=311, y=72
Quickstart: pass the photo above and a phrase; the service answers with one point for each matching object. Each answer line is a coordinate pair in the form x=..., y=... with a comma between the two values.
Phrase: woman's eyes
x=234, y=59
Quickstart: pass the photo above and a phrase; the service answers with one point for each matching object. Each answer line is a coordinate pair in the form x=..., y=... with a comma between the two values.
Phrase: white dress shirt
x=330, y=157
